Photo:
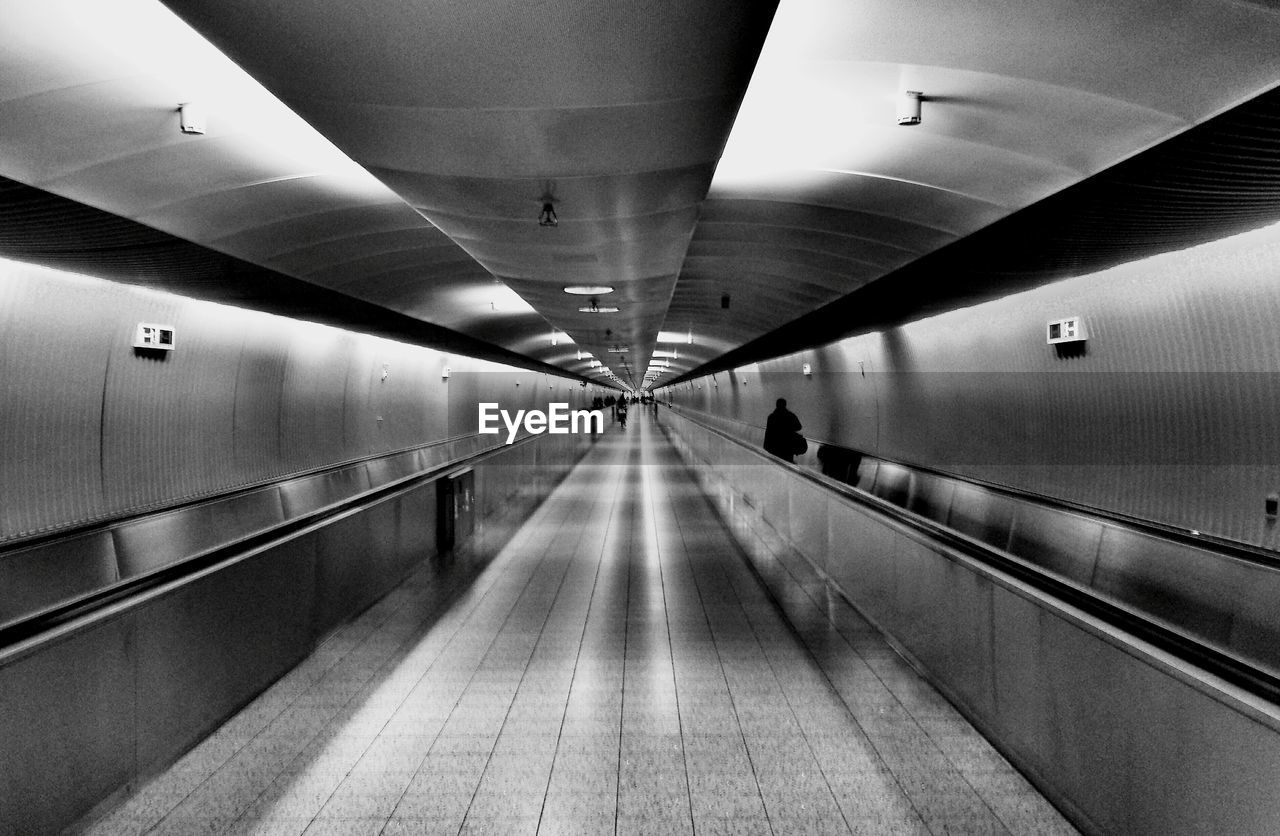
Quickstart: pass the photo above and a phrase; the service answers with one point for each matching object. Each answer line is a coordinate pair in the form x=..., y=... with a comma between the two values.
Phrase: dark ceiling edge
x=42, y=228
x=1216, y=179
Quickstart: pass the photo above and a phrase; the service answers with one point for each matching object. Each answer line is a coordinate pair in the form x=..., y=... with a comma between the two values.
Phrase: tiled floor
x=618, y=668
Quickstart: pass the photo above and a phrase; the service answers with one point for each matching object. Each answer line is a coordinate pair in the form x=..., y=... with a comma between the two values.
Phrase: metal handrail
x=84, y=607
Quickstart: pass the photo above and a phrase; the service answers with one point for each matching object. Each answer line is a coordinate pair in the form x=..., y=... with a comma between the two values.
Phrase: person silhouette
x=782, y=433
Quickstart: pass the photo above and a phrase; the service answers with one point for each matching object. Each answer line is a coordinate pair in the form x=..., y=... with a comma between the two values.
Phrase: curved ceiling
x=820, y=193
x=1217, y=179
x=417, y=144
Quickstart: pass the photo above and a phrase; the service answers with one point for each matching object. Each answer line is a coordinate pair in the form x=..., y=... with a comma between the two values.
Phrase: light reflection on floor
x=616, y=669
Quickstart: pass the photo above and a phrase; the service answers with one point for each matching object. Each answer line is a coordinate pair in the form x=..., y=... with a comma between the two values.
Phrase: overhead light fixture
x=595, y=307
x=675, y=337
x=555, y=337
x=909, y=107
x=618, y=349
x=547, y=217
x=191, y=118
x=588, y=289
x=674, y=355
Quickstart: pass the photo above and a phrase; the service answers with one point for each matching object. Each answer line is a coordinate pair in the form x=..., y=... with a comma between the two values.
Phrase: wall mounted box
x=150, y=335
x=1067, y=330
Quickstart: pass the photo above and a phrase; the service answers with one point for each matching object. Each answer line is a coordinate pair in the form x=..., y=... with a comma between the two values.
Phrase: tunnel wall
x=96, y=707
x=1171, y=413
x=91, y=429
x=1123, y=737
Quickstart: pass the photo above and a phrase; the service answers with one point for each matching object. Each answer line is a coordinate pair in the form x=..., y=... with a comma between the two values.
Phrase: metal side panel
x=158, y=540
x=310, y=493
x=389, y=468
x=346, y=568
x=857, y=561
x=980, y=513
x=208, y=647
x=931, y=496
x=1126, y=737
x=942, y=617
x=1171, y=581
x=1062, y=543
x=34, y=578
x=67, y=721
x=249, y=513
x=415, y=527
x=893, y=483
x=808, y=513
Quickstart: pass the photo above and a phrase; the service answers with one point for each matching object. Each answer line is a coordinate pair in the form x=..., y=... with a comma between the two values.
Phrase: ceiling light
x=675, y=355
x=547, y=217
x=588, y=289
x=909, y=107
x=675, y=337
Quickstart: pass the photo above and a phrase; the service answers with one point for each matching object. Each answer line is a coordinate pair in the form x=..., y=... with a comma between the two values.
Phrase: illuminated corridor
x=617, y=668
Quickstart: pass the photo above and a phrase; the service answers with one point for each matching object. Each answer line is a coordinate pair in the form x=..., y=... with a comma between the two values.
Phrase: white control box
x=1067, y=330
x=151, y=335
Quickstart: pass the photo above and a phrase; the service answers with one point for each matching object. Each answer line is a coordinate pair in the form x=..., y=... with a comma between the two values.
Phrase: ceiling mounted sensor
x=547, y=217
x=909, y=107
x=191, y=118
x=595, y=307
x=588, y=289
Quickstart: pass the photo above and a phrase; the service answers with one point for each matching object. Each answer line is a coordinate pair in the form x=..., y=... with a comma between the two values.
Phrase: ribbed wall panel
x=419, y=400
x=53, y=360
x=362, y=399
x=260, y=373
x=92, y=429
x=167, y=428
x=313, y=399
x=1172, y=412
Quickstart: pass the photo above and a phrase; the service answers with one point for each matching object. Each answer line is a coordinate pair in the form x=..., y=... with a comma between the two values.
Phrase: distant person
x=622, y=412
x=782, y=433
